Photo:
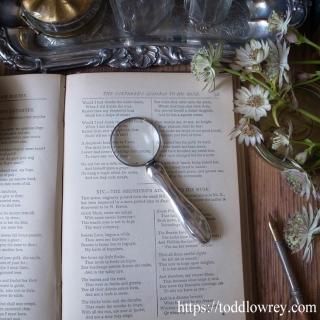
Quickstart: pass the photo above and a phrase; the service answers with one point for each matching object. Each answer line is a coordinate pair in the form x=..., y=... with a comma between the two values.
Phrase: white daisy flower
x=281, y=141
x=247, y=133
x=251, y=56
x=277, y=66
x=299, y=182
x=253, y=103
x=278, y=24
x=300, y=230
x=206, y=64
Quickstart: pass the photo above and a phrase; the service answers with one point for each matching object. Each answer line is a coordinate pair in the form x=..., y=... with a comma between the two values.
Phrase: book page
x=31, y=137
x=125, y=254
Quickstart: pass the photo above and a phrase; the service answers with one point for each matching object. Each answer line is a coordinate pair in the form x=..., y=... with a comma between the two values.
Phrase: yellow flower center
x=255, y=101
x=248, y=131
x=254, y=54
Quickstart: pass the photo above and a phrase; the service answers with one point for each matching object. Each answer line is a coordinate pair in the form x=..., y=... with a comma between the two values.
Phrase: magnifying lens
x=137, y=142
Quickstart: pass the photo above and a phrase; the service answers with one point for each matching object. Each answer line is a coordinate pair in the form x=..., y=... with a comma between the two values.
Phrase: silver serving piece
x=102, y=43
x=59, y=18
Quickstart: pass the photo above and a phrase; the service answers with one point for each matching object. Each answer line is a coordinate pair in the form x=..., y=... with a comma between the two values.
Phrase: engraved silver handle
x=190, y=217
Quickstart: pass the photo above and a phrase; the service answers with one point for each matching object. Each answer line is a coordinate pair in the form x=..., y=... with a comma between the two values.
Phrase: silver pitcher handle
x=190, y=217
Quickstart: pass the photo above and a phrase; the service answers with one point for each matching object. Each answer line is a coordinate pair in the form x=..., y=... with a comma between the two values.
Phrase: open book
x=84, y=237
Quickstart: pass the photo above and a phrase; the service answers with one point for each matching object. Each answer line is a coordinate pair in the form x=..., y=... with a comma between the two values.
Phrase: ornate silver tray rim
x=134, y=53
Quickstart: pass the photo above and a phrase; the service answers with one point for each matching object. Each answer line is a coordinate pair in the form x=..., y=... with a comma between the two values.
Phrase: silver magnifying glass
x=137, y=142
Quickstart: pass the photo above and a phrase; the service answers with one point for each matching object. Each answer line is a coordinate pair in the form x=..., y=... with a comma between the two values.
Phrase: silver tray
x=174, y=42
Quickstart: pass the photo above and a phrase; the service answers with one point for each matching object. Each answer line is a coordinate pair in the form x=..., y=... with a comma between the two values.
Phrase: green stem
x=250, y=78
x=309, y=115
x=303, y=39
x=302, y=83
x=306, y=62
x=274, y=111
x=307, y=142
x=233, y=72
x=265, y=78
x=257, y=81
x=311, y=43
x=302, y=143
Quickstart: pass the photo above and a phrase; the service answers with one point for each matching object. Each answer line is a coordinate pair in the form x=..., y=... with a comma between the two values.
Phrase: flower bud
x=304, y=76
x=293, y=36
x=294, y=100
x=302, y=157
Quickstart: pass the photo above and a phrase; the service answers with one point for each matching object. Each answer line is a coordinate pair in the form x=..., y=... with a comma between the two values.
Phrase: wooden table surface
x=270, y=195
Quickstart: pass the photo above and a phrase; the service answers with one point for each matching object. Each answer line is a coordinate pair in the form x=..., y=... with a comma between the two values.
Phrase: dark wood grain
x=271, y=195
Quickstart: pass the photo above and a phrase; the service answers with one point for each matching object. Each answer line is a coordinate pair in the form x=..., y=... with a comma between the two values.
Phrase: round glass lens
x=135, y=141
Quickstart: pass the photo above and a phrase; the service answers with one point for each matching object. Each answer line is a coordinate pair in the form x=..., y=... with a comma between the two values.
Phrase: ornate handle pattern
x=190, y=217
